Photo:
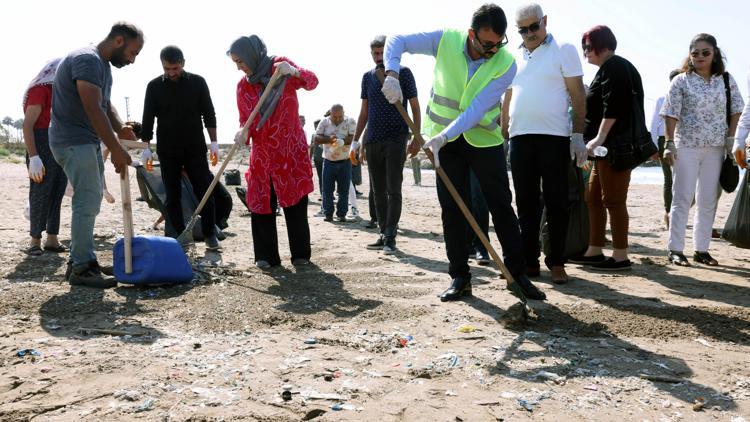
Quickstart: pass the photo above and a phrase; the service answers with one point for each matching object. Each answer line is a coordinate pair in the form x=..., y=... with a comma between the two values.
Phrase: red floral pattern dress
x=279, y=152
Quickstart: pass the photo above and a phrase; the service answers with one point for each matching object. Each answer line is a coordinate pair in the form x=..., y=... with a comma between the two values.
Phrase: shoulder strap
x=729, y=96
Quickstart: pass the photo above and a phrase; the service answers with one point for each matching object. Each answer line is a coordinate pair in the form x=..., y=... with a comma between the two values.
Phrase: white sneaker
x=319, y=214
x=354, y=213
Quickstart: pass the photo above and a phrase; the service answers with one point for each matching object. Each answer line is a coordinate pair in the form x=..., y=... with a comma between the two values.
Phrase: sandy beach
x=360, y=336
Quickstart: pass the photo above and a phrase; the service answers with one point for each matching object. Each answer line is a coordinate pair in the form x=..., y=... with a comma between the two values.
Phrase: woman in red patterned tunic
x=280, y=167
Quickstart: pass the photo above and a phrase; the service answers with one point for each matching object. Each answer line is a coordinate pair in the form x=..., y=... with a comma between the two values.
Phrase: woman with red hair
x=609, y=113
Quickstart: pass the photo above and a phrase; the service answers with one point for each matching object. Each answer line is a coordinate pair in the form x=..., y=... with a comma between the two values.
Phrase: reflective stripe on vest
x=453, y=91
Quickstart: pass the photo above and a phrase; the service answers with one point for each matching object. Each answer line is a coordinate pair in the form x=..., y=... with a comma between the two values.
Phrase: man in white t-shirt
x=335, y=133
x=535, y=116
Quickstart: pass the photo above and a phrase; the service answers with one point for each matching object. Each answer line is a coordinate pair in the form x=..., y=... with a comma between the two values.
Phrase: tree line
x=10, y=126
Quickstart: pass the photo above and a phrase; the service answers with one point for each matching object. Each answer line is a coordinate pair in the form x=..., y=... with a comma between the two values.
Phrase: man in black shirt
x=180, y=100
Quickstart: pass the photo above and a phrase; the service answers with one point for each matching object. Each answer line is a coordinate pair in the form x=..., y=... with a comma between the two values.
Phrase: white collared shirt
x=326, y=128
x=540, y=100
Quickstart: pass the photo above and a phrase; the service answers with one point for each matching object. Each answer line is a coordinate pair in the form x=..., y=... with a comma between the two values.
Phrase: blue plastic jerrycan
x=156, y=260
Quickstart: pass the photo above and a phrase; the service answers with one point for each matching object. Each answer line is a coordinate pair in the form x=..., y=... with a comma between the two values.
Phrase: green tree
x=18, y=124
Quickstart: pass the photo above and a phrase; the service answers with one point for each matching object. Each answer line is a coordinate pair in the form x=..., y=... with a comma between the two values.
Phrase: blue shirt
x=427, y=43
x=70, y=124
x=383, y=120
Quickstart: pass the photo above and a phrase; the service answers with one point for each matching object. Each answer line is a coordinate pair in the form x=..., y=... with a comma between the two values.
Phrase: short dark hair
x=126, y=30
x=674, y=73
x=491, y=16
x=377, y=42
x=717, y=64
x=599, y=37
x=316, y=123
x=171, y=54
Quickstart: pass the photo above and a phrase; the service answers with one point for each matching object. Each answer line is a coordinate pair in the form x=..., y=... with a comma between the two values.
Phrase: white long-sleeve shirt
x=657, y=122
x=743, y=127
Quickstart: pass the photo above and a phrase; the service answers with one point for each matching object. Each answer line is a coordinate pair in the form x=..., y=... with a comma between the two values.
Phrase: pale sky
x=331, y=38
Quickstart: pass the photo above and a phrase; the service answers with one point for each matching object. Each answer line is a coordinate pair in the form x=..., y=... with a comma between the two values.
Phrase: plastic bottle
x=149, y=165
x=600, y=151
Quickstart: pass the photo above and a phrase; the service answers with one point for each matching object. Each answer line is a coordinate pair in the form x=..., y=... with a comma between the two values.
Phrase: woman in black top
x=608, y=112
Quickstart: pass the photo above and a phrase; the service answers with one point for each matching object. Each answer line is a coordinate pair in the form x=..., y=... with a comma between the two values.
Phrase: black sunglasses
x=531, y=28
x=490, y=46
x=704, y=53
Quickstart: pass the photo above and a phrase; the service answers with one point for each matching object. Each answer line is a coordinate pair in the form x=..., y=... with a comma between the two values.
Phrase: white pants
x=700, y=166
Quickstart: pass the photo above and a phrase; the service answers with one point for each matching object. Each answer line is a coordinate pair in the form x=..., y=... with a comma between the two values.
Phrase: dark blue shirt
x=383, y=120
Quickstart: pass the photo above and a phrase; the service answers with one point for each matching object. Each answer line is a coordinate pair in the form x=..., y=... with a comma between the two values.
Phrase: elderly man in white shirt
x=335, y=133
x=535, y=116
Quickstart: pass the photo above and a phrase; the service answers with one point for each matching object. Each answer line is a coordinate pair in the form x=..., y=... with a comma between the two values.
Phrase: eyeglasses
x=490, y=46
x=704, y=53
x=531, y=28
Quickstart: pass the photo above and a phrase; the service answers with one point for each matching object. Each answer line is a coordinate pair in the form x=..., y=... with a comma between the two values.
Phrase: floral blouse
x=701, y=109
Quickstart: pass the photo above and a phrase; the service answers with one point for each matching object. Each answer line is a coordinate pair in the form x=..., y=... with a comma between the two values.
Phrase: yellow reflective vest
x=453, y=92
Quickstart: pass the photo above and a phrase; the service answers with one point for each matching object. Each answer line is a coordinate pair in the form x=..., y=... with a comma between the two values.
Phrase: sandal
x=59, y=248
x=678, y=258
x=33, y=250
x=705, y=258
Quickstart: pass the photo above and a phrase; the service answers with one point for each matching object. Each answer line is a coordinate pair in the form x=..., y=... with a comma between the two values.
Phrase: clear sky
x=332, y=39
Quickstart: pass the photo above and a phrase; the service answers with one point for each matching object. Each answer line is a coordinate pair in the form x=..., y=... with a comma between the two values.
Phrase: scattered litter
x=129, y=395
x=703, y=342
x=467, y=329
x=27, y=352
x=550, y=376
x=116, y=333
x=314, y=395
x=699, y=404
x=526, y=405
x=508, y=395
x=313, y=414
x=591, y=387
x=487, y=403
x=661, y=378
x=286, y=395
x=451, y=393
x=147, y=405
x=310, y=341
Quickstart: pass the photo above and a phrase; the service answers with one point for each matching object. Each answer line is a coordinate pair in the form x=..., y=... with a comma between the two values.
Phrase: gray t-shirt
x=70, y=125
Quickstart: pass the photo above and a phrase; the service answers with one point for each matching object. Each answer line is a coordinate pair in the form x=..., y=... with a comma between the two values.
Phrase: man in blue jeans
x=335, y=134
x=385, y=145
x=82, y=117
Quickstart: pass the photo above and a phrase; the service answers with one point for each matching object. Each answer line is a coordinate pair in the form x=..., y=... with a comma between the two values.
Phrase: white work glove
x=670, y=152
x=592, y=144
x=240, y=137
x=284, y=68
x=215, y=148
x=146, y=156
x=434, y=146
x=354, y=147
x=337, y=142
x=392, y=90
x=739, y=152
x=578, y=150
x=36, y=169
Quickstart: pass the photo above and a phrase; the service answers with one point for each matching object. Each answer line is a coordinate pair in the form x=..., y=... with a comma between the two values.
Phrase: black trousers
x=385, y=161
x=45, y=199
x=666, y=169
x=456, y=159
x=479, y=210
x=319, y=171
x=541, y=160
x=195, y=165
x=265, y=238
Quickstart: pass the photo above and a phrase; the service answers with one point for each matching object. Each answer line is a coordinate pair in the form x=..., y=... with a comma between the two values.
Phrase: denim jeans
x=84, y=167
x=338, y=175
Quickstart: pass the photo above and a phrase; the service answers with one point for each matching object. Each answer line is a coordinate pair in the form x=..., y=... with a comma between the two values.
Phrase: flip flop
x=33, y=251
x=59, y=248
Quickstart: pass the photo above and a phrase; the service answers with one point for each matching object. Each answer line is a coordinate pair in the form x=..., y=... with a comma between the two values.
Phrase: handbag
x=730, y=174
x=631, y=148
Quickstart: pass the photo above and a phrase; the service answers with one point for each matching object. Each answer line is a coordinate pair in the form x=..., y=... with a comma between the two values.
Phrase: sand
x=366, y=333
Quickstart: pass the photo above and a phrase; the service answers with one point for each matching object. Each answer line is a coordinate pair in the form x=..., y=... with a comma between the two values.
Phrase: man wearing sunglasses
x=472, y=72
x=535, y=115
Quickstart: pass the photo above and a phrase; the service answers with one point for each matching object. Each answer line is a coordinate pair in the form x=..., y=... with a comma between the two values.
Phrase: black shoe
x=328, y=218
x=460, y=287
x=587, y=260
x=102, y=269
x=373, y=224
x=705, y=258
x=377, y=245
x=610, y=264
x=529, y=289
x=390, y=247
x=677, y=258
x=92, y=277
x=343, y=219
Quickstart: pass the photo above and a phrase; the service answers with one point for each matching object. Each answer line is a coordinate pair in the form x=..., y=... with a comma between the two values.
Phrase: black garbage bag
x=737, y=228
x=577, y=239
